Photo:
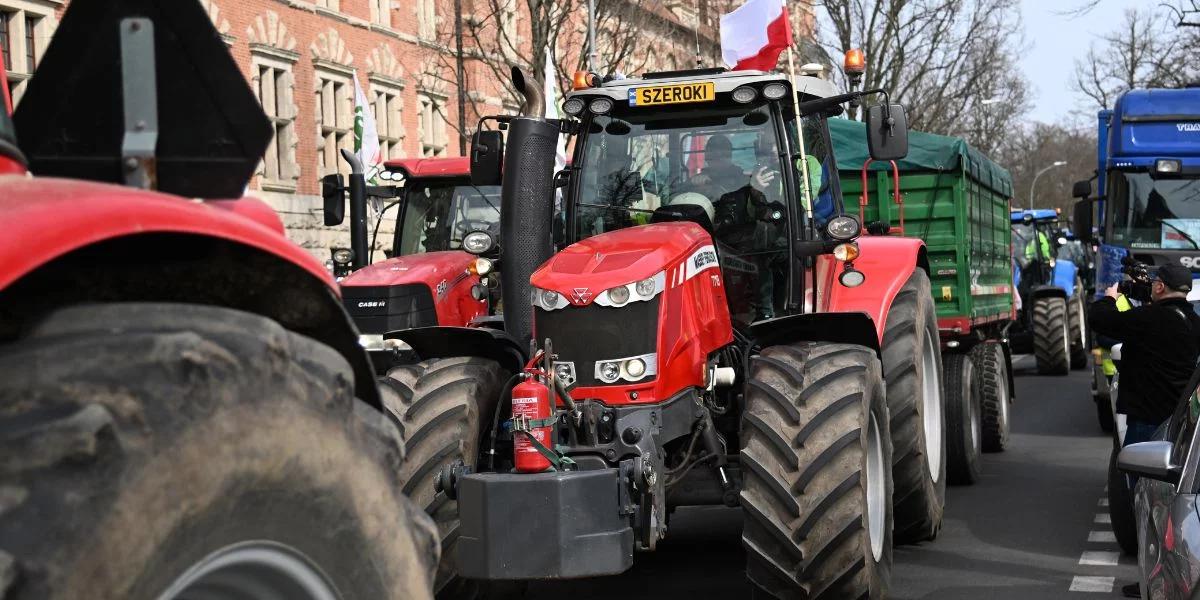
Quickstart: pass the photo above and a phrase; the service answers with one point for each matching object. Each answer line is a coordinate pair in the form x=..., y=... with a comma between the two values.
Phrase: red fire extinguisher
x=531, y=418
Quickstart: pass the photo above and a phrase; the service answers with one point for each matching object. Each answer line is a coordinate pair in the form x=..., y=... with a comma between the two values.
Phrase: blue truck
x=1147, y=201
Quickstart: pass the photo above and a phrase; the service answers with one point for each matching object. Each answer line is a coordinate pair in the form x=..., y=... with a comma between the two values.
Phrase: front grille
x=380, y=309
x=586, y=334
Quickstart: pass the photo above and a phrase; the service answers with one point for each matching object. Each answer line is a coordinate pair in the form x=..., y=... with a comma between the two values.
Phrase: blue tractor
x=1051, y=317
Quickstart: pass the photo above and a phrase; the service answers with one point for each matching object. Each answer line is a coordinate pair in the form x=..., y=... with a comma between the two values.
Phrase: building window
x=381, y=12
x=30, y=43
x=427, y=19
x=335, y=122
x=274, y=87
x=24, y=29
x=433, y=127
x=330, y=4
x=5, y=42
x=388, y=120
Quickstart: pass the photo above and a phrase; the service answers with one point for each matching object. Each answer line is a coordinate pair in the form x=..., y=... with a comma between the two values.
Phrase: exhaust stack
x=526, y=204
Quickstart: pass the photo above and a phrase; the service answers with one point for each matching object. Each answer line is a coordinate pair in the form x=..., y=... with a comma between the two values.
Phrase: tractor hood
x=621, y=257
x=430, y=268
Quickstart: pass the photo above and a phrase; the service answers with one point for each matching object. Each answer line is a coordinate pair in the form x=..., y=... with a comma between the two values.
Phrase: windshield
x=1150, y=213
x=632, y=164
x=436, y=217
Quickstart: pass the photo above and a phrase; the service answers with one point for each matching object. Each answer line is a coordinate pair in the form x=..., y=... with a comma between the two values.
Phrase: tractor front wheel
x=963, y=419
x=912, y=368
x=182, y=451
x=445, y=406
x=817, y=488
x=1051, y=336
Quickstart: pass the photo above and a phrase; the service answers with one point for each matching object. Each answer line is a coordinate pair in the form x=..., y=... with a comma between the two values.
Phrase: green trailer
x=957, y=200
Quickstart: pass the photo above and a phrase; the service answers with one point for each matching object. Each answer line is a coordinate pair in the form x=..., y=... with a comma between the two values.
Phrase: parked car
x=1168, y=524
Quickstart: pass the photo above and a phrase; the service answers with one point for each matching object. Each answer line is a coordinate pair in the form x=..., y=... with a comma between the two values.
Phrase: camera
x=1137, y=287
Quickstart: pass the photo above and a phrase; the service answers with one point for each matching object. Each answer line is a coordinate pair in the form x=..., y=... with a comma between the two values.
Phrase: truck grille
x=380, y=309
x=586, y=334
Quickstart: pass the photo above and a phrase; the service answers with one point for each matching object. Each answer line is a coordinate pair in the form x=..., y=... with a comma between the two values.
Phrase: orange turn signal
x=846, y=252
x=855, y=63
x=583, y=80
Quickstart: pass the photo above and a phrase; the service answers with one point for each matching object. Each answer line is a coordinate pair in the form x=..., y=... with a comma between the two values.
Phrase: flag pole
x=805, y=193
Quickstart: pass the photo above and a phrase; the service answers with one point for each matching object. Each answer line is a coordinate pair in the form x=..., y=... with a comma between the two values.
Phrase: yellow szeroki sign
x=704, y=91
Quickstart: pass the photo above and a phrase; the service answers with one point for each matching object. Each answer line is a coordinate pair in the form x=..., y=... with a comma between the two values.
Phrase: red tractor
x=185, y=410
x=442, y=258
x=712, y=330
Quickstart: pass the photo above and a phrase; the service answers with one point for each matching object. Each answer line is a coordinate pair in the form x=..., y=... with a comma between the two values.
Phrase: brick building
x=300, y=57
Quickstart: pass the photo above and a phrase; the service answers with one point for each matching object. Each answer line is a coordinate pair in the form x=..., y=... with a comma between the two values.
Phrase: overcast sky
x=1054, y=42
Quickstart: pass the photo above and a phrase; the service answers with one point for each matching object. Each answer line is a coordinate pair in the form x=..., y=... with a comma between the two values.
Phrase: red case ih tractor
x=710, y=332
x=184, y=407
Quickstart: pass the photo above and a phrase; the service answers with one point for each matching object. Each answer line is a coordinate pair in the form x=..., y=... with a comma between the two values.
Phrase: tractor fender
x=1051, y=291
x=69, y=242
x=47, y=217
x=1064, y=275
x=835, y=327
x=887, y=262
x=482, y=342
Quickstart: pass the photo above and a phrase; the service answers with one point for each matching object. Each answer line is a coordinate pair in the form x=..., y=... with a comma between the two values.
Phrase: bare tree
x=1028, y=149
x=1147, y=50
x=942, y=58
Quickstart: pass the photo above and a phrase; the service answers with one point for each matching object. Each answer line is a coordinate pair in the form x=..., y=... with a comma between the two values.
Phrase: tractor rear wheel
x=1080, y=348
x=171, y=450
x=963, y=420
x=1051, y=336
x=816, y=490
x=995, y=399
x=443, y=405
x=1120, y=507
x=912, y=367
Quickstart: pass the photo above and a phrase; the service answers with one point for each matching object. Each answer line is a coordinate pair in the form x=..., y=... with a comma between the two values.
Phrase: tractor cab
x=1036, y=245
x=439, y=207
x=1051, y=321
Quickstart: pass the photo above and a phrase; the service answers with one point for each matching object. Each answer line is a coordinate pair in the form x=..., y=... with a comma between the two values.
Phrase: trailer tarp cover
x=926, y=152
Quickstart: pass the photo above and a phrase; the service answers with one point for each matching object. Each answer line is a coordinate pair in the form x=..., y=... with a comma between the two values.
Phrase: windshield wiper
x=1195, y=246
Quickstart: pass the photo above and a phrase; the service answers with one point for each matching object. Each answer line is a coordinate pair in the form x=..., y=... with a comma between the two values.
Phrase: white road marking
x=1103, y=502
x=1102, y=536
x=1101, y=559
x=1082, y=583
x=1103, y=518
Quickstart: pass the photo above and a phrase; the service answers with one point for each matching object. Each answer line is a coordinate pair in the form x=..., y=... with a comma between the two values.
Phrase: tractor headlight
x=600, y=106
x=744, y=94
x=573, y=106
x=632, y=369
x=843, y=228
x=477, y=242
x=774, y=91
x=342, y=256
x=643, y=290
x=547, y=299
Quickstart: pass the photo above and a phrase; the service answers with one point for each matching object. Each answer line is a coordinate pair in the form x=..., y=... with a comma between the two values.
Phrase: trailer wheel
x=995, y=399
x=443, y=405
x=171, y=450
x=1120, y=506
x=912, y=368
x=962, y=419
x=1051, y=338
x=816, y=490
x=1080, y=349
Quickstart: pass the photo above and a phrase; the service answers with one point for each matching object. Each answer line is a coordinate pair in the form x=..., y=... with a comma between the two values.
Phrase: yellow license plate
x=679, y=93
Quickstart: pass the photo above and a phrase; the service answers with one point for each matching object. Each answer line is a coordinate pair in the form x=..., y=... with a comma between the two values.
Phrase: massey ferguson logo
x=1190, y=262
x=372, y=304
x=704, y=257
x=581, y=295
x=1188, y=127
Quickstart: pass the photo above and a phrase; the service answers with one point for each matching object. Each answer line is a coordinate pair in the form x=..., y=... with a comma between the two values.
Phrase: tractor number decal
x=442, y=287
x=702, y=259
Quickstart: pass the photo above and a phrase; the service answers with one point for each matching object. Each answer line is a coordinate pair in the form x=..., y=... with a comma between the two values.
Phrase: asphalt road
x=1027, y=530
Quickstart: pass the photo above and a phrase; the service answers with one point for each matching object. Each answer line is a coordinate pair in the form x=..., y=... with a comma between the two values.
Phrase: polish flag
x=753, y=36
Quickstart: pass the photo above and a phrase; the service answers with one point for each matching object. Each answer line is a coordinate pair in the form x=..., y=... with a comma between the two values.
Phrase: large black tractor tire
x=1051, y=336
x=963, y=419
x=912, y=367
x=180, y=451
x=995, y=398
x=445, y=406
x=1120, y=507
x=1080, y=346
x=816, y=489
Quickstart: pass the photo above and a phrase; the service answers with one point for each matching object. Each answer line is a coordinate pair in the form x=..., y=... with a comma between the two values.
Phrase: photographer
x=1161, y=344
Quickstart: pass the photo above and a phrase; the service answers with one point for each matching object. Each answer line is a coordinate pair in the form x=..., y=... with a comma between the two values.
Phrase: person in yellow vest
x=1031, y=250
x=1106, y=361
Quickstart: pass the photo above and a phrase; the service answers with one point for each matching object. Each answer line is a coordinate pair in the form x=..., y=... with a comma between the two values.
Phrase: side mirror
x=1151, y=460
x=887, y=132
x=1081, y=224
x=487, y=157
x=333, y=191
x=1081, y=189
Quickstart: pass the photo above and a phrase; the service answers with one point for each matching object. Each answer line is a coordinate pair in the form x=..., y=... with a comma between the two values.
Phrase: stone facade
x=301, y=56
